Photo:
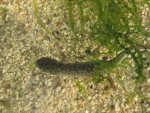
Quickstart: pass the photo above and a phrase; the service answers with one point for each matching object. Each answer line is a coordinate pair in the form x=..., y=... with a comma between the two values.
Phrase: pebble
x=58, y=89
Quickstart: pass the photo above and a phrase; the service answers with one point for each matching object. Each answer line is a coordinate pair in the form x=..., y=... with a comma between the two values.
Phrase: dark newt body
x=53, y=66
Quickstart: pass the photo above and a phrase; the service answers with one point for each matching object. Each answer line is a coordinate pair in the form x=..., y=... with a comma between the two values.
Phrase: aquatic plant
x=116, y=25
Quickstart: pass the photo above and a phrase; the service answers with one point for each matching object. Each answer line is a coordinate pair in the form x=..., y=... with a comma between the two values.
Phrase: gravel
x=26, y=89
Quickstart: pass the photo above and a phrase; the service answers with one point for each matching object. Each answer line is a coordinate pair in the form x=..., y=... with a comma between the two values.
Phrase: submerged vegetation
x=117, y=25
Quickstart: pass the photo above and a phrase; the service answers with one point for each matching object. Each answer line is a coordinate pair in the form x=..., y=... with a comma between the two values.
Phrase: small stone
x=58, y=89
x=86, y=111
x=89, y=98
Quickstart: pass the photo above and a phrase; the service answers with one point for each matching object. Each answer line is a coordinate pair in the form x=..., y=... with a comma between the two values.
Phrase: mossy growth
x=114, y=24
